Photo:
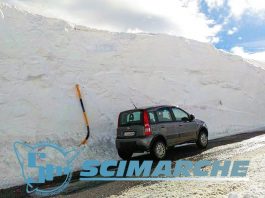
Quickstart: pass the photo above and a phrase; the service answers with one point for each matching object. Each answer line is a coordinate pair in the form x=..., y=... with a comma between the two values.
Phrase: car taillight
x=147, y=127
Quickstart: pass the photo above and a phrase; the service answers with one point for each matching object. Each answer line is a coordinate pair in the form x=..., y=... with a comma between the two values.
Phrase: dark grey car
x=157, y=128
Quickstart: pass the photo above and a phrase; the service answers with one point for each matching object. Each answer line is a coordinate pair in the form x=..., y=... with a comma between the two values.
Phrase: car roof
x=150, y=107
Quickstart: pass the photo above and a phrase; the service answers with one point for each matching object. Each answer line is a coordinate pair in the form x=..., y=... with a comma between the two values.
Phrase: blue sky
x=245, y=32
x=236, y=26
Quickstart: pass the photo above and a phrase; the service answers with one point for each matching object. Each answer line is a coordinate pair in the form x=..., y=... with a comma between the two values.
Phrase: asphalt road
x=104, y=189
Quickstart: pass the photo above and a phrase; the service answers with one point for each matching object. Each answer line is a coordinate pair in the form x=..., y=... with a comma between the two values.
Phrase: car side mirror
x=185, y=119
x=192, y=117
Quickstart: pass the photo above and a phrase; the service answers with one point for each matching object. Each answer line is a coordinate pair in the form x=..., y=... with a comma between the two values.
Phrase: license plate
x=131, y=133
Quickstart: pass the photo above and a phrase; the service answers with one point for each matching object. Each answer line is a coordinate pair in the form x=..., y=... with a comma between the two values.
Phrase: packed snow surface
x=42, y=59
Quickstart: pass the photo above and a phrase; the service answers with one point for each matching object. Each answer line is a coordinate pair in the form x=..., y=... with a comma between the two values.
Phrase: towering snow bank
x=42, y=59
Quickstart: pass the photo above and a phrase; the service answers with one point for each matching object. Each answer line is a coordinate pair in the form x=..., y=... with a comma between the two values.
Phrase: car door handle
x=180, y=125
x=162, y=127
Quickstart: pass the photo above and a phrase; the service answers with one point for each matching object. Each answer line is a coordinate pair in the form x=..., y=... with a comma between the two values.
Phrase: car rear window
x=131, y=118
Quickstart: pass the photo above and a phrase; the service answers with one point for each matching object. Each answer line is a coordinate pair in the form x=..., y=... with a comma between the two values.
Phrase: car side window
x=179, y=114
x=163, y=115
x=152, y=117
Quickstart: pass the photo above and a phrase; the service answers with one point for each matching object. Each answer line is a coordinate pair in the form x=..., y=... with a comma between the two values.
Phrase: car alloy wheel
x=160, y=150
x=204, y=139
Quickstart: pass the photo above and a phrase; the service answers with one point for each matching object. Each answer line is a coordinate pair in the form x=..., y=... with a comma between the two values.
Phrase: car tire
x=125, y=155
x=158, y=150
x=202, y=140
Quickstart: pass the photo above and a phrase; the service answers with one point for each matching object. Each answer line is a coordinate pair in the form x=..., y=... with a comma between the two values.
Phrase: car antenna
x=133, y=103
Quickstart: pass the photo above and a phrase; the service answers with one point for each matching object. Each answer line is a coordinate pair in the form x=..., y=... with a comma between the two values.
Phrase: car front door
x=184, y=126
x=166, y=125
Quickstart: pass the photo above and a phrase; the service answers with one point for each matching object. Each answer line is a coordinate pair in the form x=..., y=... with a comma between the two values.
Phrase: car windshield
x=131, y=118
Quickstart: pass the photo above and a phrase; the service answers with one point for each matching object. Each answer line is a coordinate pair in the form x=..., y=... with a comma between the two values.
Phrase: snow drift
x=42, y=59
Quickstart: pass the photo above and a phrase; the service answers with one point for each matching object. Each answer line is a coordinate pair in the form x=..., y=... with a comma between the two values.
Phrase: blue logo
x=41, y=163
x=147, y=170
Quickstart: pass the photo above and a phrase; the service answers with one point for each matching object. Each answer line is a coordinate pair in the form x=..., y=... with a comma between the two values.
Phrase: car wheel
x=158, y=150
x=202, y=140
x=126, y=155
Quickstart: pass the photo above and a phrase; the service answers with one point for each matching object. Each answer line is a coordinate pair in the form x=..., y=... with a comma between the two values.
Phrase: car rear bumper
x=134, y=144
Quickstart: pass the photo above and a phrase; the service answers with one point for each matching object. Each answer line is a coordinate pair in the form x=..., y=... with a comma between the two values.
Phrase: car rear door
x=184, y=126
x=166, y=125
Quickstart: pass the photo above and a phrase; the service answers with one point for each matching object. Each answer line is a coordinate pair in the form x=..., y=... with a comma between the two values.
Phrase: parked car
x=157, y=128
